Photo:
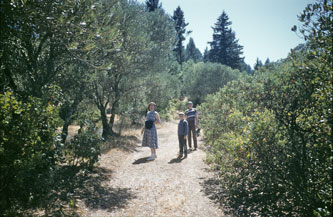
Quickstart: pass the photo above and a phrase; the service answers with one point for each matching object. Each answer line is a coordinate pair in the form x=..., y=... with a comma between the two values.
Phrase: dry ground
x=128, y=185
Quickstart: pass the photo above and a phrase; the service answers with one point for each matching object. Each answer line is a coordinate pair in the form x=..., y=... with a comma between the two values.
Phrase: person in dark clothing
x=182, y=134
x=192, y=119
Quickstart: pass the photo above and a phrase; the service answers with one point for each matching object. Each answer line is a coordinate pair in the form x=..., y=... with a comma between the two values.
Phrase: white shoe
x=151, y=158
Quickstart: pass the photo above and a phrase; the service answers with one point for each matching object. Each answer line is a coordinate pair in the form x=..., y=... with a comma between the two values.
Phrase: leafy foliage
x=27, y=150
x=274, y=151
x=35, y=36
x=152, y=5
x=224, y=47
x=192, y=52
x=258, y=64
x=141, y=52
x=59, y=61
x=84, y=149
x=201, y=79
x=65, y=62
x=180, y=26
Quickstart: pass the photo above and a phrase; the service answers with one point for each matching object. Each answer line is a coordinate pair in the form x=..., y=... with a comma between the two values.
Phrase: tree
x=36, y=34
x=152, y=5
x=267, y=61
x=192, y=52
x=27, y=151
x=270, y=134
x=258, y=64
x=57, y=60
x=43, y=46
x=145, y=42
x=246, y=68
x=40, y=76
x=205, y=55
x=224, y=47
x=201, y=79
x=74, y=88
x=180, y=25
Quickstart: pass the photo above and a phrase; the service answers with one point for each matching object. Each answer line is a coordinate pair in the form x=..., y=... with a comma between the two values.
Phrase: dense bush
x=175, y=106
x=35, y=166
x=202, y=78
x=84, y=149
x=270, y=134
x=67, y=61
x=27, y=150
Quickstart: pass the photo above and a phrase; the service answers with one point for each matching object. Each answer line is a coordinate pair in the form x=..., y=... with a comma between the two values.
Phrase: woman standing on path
x=149, y=130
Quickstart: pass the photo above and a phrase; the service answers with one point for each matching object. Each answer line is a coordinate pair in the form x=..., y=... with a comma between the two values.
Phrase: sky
x=263, y=27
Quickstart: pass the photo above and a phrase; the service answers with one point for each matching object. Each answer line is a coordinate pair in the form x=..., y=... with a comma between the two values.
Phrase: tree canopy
x=70, y=63
x=274, y=149
x=97, y=63
x=224, y=48
x=180, y=26
x=192, y=52
x=153, y=5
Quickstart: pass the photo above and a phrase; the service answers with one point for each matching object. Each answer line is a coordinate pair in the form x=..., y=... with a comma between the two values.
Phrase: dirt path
x=164, y=187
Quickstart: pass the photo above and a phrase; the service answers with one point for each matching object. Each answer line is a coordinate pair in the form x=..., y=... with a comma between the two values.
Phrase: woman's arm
x=157, y=117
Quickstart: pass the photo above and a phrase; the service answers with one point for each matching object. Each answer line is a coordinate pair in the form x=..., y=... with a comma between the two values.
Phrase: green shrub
x=84, y=149
x=27, y=151
x=171, y=111
x=270, y=135
x=200, y=79
x=36, y=170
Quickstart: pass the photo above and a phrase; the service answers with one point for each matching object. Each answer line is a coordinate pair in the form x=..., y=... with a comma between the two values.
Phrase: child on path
x=182, y=134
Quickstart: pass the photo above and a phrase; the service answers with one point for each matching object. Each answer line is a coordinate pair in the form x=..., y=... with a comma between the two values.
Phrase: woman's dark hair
x=151, y=103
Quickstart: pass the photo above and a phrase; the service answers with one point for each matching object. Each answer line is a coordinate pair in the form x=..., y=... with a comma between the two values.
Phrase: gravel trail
x=165, y=187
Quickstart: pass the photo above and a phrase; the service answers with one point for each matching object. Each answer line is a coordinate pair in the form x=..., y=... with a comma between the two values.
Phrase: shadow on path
x=176, y=160
x=141, y=160
x=97, y=194
x=212, y=188
x=125, y=143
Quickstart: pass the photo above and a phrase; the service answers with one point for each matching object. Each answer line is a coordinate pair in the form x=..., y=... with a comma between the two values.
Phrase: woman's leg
x=154, y=152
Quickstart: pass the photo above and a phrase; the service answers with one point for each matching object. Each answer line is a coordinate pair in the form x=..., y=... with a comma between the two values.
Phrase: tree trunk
x=115, y=107
x=107, y=131
x=68, y=117
x=64, y=132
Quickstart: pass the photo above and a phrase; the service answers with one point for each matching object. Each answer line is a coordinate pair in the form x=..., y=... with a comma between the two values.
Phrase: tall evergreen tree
x=152, y=5
x=224, y=47
x=180, y=25
x=205, y=55
x=258, y=64
x=192, y=52
x=246, y=68
x=268, y=61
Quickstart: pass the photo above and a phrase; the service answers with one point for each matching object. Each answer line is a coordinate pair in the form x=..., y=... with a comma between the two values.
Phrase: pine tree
x=152, y=5
x=267, y=61
x=224, y=47
x=180, y=25
x=246, y=68
x=192, y=52
x=206, y=55
x=258, y=64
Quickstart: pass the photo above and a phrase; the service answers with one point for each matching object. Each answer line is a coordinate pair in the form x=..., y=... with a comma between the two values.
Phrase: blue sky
x=262, y=26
